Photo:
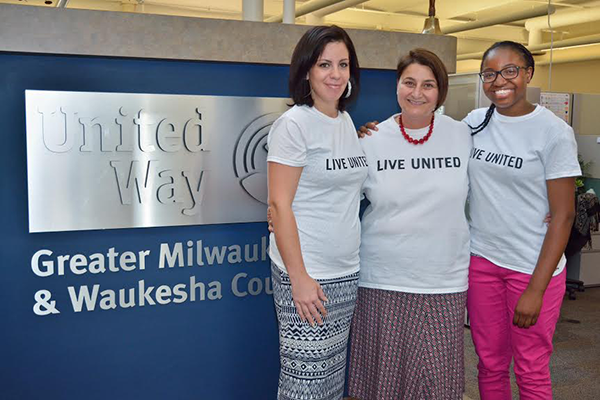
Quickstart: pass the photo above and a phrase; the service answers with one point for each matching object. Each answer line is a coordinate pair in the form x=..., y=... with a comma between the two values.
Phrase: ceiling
x=572, y=19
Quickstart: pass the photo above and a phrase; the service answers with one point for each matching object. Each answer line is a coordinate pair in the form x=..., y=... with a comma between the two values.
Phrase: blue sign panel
x=149, y=313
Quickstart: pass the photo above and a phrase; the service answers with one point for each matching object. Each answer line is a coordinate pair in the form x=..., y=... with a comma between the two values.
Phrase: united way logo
x=250, y=159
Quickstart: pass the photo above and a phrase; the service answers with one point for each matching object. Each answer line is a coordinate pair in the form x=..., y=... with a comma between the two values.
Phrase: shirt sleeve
x=560, y=155
x=287, y=144
x=474, y=118
x=467, y=119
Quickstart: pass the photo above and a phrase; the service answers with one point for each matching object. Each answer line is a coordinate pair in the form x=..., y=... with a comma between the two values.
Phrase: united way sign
x=116, y=160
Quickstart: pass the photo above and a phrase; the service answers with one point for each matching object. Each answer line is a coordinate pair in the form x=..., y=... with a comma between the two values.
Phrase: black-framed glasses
x=507, y=73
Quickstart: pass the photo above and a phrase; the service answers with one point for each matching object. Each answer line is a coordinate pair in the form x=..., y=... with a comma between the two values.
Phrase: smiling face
x=329, y=76
x=509, y=96
x=417, y=95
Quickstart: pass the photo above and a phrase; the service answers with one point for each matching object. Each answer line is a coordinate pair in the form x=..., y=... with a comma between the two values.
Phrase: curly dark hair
x=517, y=47
x=529, y=63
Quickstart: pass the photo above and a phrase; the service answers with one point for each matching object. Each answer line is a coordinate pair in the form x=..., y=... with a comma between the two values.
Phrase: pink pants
x=491, y=301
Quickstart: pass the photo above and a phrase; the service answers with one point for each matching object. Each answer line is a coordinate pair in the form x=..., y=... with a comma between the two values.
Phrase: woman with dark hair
x=407, y=332
x=523, y=166
x=316, y=169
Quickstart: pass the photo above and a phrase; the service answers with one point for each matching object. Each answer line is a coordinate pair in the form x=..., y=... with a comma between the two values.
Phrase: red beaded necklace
x=414, y=141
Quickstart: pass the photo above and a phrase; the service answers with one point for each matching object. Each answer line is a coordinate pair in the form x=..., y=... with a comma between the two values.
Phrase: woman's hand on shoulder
x=308, y=299
x=365, y=130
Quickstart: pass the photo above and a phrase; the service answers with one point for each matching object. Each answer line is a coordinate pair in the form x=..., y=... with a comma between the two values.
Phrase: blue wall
x=211, y=349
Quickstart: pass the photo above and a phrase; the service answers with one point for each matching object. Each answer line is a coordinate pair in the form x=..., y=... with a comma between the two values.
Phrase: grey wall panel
x=84, y=32
x=589, y=148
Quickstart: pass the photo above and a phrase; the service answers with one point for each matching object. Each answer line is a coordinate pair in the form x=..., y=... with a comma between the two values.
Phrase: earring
x=309, y=90
x=349, y=92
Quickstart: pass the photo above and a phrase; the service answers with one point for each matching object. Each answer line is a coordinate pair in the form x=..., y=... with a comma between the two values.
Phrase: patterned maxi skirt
x=313, y=359
x=407, y=346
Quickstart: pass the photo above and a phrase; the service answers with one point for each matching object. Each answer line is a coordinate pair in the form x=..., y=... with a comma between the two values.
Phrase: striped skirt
x=407, y=346
x=313, y=359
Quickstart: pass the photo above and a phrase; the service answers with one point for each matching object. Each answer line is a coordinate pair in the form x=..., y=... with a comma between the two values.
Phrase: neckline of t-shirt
x=520, y=118
x=414, y=133
x=325, y=117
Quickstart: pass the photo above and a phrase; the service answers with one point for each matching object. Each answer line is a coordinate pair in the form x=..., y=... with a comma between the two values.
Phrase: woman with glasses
x=522, y=167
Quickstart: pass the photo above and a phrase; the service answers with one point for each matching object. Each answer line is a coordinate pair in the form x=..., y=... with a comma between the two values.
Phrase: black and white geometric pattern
x=313, y=359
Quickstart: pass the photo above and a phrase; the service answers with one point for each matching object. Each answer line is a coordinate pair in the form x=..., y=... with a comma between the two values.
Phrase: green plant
x=585, y=166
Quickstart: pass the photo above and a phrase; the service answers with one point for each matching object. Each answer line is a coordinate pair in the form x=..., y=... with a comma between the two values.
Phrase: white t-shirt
x=328, y=196
x=415, y=235
x=512, y=159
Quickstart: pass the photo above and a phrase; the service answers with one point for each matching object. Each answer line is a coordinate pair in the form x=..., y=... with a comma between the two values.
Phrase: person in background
x=316, y=168
x=407, y=332
x=523, y=165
